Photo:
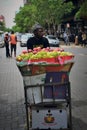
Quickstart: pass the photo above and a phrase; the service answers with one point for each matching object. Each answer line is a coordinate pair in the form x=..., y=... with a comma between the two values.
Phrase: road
x=78, y=78
x=12, y=109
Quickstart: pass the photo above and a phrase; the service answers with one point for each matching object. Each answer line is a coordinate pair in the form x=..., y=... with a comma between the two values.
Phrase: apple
x=24, y=51
x=29, y=50
x=34, y=51
x=48, y=48
x=43, y=49
x=19, y=58
x=38, y=48
x=22, y=55
x=62, y=49
x=51, y=49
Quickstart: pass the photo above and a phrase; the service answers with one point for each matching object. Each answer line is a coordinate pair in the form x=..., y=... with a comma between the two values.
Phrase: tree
x=2, y=26
x=25, y=18
x=52, y=11
x=81, y=13
x=48, y=13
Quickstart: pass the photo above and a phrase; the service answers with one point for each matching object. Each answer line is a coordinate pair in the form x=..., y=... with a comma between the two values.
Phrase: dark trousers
x=84, y=42
x=13, y=48
x=7, y=51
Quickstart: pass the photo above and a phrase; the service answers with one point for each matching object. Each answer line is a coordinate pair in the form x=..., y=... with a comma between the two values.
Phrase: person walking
x=13, y=43
x=80, y=37
x=84, y=38
x=66, y=38
x=6, y=41
x=37, y=39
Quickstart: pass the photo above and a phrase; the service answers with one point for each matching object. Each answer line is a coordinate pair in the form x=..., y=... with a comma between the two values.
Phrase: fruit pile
x=57, y=55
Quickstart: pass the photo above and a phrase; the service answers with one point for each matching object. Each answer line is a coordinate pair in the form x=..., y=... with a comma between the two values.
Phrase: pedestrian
x=66, y=38
x=84, y=38
x=80, y=37
x=6, y=41
x=13, y=43
x=37, y=39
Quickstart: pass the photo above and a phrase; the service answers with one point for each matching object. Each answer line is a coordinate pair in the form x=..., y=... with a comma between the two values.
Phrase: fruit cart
x=47, y=95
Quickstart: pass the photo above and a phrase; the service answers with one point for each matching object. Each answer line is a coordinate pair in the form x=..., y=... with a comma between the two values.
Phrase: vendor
x=37, y=39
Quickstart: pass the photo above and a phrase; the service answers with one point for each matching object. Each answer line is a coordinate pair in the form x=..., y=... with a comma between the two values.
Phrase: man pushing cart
x=46, y=87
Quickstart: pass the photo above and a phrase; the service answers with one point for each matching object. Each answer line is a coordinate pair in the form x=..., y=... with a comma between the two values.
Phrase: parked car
x=24, y=38
x=2, y=44
x=53, y=40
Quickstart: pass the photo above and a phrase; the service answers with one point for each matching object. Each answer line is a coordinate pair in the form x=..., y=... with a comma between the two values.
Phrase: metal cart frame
x=53, y=103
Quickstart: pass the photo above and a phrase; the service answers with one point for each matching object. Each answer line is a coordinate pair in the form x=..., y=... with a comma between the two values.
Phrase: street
x=78, y=78
x=12, y=108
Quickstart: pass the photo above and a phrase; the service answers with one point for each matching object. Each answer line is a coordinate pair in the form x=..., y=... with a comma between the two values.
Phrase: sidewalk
x=72, y=44
x=12, y=108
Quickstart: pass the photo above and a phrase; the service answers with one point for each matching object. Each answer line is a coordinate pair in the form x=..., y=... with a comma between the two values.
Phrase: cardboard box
x=34, y=94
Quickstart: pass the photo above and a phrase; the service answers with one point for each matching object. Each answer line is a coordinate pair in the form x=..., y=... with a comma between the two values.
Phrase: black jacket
x=35, y=42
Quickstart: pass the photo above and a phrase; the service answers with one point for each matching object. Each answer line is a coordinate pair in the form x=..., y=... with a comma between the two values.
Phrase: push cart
x=47, y=96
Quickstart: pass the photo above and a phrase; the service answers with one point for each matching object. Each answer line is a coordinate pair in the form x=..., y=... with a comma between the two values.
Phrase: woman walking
x=6, y=40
